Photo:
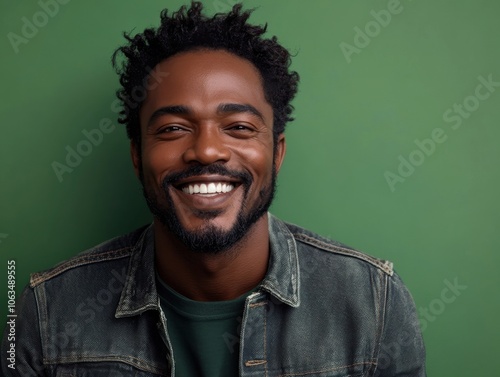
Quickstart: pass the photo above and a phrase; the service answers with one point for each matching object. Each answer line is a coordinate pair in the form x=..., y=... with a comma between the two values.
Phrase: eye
x=169, y=129
x=241, y=128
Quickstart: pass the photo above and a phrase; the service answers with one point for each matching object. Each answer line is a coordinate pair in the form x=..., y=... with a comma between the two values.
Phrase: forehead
x=203, y=79
x=199, y=60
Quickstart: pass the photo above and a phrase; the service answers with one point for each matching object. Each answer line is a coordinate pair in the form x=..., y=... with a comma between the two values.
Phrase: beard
x=209, y=239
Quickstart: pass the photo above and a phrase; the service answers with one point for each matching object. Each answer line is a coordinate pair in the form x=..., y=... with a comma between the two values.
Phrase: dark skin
x=185, y=120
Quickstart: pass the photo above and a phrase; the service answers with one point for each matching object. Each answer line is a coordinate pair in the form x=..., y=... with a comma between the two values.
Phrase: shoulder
x=339, y=268
x=115, y=249
x=320, y=247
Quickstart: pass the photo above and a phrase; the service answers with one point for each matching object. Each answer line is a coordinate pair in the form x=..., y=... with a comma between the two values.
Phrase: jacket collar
x=139, y=291
x=282, y=278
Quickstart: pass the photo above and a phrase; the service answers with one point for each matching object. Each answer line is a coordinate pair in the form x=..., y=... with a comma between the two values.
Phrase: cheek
x=156, y=161
x=260, y=163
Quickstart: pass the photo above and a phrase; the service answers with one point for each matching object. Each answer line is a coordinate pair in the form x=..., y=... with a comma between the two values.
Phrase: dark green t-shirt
x=204, y=335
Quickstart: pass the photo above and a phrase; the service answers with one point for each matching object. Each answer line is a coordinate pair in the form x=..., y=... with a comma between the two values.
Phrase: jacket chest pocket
x=102, y=369
x=323, y=374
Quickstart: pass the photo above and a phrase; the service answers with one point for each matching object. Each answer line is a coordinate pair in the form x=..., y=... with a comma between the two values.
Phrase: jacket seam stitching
x=36, y=279
x=386, y=267
x=41, y=303
x=383, y=309
x=264, y=314
x=327, y=370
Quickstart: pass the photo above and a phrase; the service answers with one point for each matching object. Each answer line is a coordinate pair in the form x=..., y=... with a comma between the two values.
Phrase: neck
x=213, y=277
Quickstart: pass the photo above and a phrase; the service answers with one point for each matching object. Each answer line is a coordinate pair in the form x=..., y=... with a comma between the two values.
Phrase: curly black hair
x=189, y=29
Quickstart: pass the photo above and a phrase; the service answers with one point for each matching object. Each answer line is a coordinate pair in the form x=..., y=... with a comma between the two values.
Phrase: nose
x=207, y=146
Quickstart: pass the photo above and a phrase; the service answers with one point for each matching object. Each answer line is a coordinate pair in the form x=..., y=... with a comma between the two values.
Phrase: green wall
x=353, y=172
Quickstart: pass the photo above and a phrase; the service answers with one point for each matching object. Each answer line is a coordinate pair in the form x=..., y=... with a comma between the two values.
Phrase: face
x=208, y=161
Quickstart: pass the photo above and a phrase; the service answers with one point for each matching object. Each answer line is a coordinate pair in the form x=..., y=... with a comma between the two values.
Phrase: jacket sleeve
x=21, y=339
x=401, y=352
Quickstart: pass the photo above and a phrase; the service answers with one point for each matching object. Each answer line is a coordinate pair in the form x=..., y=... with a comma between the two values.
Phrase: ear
x=280, y=152
x=134, y=154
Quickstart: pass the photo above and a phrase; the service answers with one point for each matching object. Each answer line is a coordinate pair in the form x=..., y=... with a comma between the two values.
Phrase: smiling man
x=215, y=286
x=207, y=161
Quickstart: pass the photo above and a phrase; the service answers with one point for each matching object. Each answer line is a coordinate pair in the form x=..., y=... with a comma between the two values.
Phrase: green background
x=354, y=118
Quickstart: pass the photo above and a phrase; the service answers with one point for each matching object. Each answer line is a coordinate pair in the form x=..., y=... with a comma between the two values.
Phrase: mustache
x=244, y=177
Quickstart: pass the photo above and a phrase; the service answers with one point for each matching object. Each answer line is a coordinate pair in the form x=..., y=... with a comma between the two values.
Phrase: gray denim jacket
x=323, y=309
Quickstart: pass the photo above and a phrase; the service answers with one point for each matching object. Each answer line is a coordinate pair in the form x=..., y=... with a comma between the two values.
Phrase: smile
x=207, y=188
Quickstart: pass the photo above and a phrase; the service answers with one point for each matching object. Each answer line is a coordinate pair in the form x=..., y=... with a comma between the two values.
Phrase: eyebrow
x=228, y=108
x=224, y=108
x=175, y=110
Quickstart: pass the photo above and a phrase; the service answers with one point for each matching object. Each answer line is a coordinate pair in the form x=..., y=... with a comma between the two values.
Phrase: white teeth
x=210, y=188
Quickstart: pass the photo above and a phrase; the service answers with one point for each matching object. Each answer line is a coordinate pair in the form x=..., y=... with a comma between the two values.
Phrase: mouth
x=208, y=188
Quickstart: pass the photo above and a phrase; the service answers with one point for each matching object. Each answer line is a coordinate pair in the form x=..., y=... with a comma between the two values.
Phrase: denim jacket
x=323, y=309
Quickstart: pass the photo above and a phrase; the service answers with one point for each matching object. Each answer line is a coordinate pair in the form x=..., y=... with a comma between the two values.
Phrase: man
x=215, y=286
